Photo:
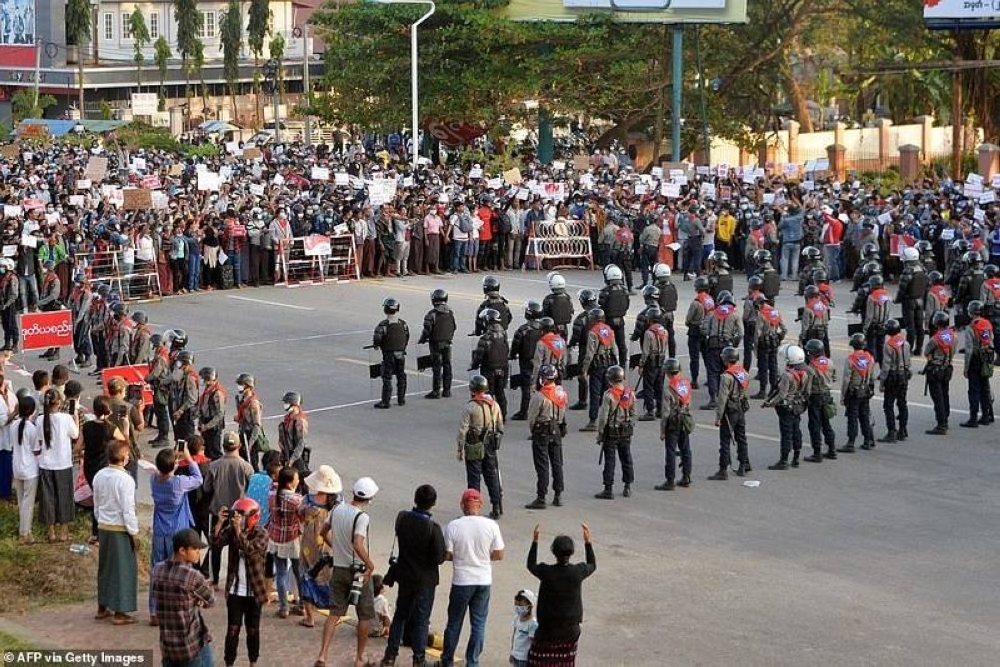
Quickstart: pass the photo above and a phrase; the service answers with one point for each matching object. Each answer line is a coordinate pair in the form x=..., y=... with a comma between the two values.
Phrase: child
x=524, y=627
x=383, y=610
x=264, y=483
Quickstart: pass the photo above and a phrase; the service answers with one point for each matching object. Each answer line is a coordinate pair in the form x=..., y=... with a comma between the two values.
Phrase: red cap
x=470, y=494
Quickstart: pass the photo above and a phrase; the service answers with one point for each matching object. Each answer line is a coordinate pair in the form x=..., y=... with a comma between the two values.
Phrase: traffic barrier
x=561, y=244
x=135, y=283
x=318, y=259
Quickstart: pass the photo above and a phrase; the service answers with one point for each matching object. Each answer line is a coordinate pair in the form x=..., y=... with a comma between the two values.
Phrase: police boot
x=741, y=470
x=648, y=417
x=433, y=394
x=889, y=437
x=556, y=500
x=795, y=459
x=606, y=494
x=901, y=434
x=666, y=486
x=986, y=420
x=685, y=481
x=381, y=405
x=722, y=475
x=816, y=457
x=627, y=491
x=579, y=405
x=495, y=513
x=940, y=429
x=760, y=395
x=831, y=453
x=848, y=448
x=536, y=504
x=518, y=417
x=780, y=465
x=446, y=393
x=711, y=405
x=591, y=426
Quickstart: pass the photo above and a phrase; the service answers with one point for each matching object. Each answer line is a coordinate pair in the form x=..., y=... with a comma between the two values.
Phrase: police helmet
x=155, y=341
x=794, y=355
x=672, y=366
x=810, y=252
x=911, y=255
x=936, y=277
x=547, y=324
x=390, y=306
x=720, y=258
x=871, y=269
x=701, y=284
x=478, y=384
x=177, y=339
x=820, y=276
x=48, y=265
x=991, y=270
x=615, y=374
x=762, y=256
x=730, y=355
x=811, y=292
x=103, y=290
x=653, y=314
x=612, y=272
x=651, y=293
x=857, y=341
x=960, y=245
x=974, y=258
x=893, y=327
x=439, y=296
x=940, y=320
x=533, y=310
x=587, y=297
x=245, y=380
x=924, y=246
x=755, y=282
x=596, y=315
x=760, y=300
x=725, y=297
x=556, y=282
x=547, y=373
x=292, y=398
x=207, y=374
x=490, y=315
x=870, y=251
x=814, y=347
x=491, y=284
x=119, y=309
x=661, y=271
x=974, y=308
x=874, y=282
x=185, y=357
x=139, y=317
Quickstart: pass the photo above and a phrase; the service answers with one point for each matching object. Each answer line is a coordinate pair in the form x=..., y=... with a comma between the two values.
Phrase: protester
x=98, y=433
x=180, y=592
x=23, y=438
x=8, y=412
x=225, y=482
x=285, y=531
x=118, y=534
x=56, y=433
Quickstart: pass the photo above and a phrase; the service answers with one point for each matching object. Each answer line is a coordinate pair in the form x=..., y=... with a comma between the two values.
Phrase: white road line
x=359, y=362
x=281, y=340
x=341, y=406
x=268, y=303
x=911, y=404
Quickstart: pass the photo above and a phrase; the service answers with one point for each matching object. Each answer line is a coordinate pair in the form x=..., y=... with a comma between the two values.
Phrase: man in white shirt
x=117, y=530
x=472, y=543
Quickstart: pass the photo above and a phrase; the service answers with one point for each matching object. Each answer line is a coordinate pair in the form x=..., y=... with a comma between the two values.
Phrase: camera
x=134, y=393
x=357, y=584
x=181, y=445
x=324, y=561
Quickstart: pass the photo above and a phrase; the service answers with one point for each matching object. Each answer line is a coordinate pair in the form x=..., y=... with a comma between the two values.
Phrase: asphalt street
x=886, y=557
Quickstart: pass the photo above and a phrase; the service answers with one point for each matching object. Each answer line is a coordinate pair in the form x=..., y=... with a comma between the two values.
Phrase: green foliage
x=23, y=104
x=78, y=22
x=161, y=56
x=140, y=37
x=277, y=49
x=257, y=26
x=107, y=113
x=232, y=42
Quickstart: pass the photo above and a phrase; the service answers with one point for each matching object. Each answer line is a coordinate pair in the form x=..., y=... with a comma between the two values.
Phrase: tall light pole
x=414, y=85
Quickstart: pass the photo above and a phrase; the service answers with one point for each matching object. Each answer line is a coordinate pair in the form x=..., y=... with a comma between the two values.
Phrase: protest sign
x=40, y=331
x=135, y=199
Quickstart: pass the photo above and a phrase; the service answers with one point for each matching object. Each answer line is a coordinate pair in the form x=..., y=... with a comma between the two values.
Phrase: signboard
x=630, y=11
x=40, y=331
x=209, y=181
x=144, y=104
x=135, y=199
x=251, y=153
x=151, y=182
x=33, y=131
x=97, y=169
x=970, y=14
x=317, y=244
x=132, y=375
x=11, y=151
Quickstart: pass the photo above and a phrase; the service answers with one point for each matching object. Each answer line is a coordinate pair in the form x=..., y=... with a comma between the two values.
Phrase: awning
x=213, y=126
x=60, y=128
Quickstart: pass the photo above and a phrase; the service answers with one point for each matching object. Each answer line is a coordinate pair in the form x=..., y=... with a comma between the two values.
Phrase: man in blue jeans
x=472, y=543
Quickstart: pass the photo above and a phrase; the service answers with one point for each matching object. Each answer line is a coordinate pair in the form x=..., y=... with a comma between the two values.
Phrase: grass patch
x=11, y=643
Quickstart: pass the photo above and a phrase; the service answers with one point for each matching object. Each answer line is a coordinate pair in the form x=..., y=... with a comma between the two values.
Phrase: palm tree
x=161, y=55
x=198, y=59
x=188, y=26
x=78, y=32
x=232, y=42
x=140, y=37
x=257, y=29
x=277, y=49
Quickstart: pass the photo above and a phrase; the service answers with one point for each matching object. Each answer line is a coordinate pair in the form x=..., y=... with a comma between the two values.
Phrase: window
x=207, y=30
x=126, y=25
x=109, y=26
x=154, y=26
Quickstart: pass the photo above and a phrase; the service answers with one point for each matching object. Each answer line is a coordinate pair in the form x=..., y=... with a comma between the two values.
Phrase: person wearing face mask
x=292, y=433
x=184, y=395
x=49, y=301
x=79, y=302
x=158, y=378
x=248, y=418
x=211, y=412
x=9, y=291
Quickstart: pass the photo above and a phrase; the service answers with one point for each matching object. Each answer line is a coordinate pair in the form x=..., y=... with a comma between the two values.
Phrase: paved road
x=884, y=557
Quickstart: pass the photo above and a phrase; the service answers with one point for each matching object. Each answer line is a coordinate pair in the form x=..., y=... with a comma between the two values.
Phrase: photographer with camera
x=350, y=584
x=225, y=482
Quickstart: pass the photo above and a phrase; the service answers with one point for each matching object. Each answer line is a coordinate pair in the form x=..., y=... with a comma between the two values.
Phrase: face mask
x=178, y=365
x=288, y=407
x=520, y=611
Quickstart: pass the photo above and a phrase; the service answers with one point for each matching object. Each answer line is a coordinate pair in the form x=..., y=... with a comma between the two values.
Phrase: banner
x=317, y=244
x=132, y=375
x=40, y=331
x=97, y=169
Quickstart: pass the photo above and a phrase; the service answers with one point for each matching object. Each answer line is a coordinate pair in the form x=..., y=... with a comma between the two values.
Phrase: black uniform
x=578, y=339
x=523, y=349
x=391, y=337
x=559, y=306
x=970, y=287
x=498, y=303
x=913, y=286
x=719, y=280
x=668, y=304
x=614, y=301
x=438, y=333
x=490, y=357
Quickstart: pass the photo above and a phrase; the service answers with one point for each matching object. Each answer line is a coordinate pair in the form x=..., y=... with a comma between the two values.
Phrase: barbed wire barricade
x=560, y=244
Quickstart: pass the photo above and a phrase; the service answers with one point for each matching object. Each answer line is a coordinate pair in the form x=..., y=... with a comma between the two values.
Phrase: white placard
x=145, y=104
x=257, y=189
x=341, y=179
x=947, y=234
x=10, y=251
x=885, y=218
x=808, y=186
x=768, y=198
x=979, y=215
x=12, y=211
x=671, y=190
x=791, y=170
x=225, y=173
x=83, y=184
x=495, y=183
x=29, y=241
x=972, y=190
x=278, y=179
x=209, y=181
x=657, y=172
x=408, y=182
x=987, y=197
x=640, y=189
x=701, y=171
x=160, y=199
x=320, y=174
x=476, y=172
x=523, y=194
x=586, y=181
x=559, y=165
x=139, y=163
x=722, y=170
x=748, y=177
x=52, y=218
x=974, y=179
x=707, y=190
x=996, y=182
x=679, y=180
x=759, y=173
x=77, y=201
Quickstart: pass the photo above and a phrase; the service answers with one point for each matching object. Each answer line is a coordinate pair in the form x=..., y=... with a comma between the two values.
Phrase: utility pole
x=305, y=82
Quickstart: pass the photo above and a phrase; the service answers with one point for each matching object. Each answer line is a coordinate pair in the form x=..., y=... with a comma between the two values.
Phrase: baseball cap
x=188, y=539
x=471, y=494
x=365, y=488
x=528, y=595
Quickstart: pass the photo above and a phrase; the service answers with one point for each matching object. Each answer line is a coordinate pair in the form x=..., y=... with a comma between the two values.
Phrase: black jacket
x=420, y=545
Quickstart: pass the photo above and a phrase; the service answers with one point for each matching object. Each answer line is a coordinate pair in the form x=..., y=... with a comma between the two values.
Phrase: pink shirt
x=433, y=224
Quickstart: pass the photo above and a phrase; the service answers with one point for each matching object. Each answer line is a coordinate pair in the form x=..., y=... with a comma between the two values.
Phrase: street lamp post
x=271, y=68
x=414, y=85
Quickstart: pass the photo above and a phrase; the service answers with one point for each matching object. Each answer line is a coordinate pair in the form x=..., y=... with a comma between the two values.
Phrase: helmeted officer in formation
x=913, y=286
x=651, y=298
x=118, y=335
x=550, y=350
x=815, y=318
x=211, y=412
x=184, y=395
x=970, y=285
x=939, y=351
x=789, y=399
x=927, y=258
x=80, y=300
x=558, y=305
x=750, y=303
x=668, y=303
x=938, y=298
x=100, y=313
x=439, y=334
x=810, y=260
x=48, y=300
x=522, y=348
x=391, y=337
x=894, y=380
x=614, y=301
x=578, y=340
x=956, y=266
x=877, y=307
x=771, y=284
x=158, y=378
x=868, y=266
x=979, y=356
x=821, y=279
x=140, y=349
x=490, y=357
x=730, y=414
x=720, y=329
x=479, y=436
x=991, y=297
x=614, y=432
x=719, y=278
x=701, y=307
x=771, y=332
x=598, y=358
x=292, y=432
x=822, y=376
x=861, y=294
x=491, y=288
x=9, y=292
x=547, y=425
x=654, y=353
x=676, y=424
x=856, y=389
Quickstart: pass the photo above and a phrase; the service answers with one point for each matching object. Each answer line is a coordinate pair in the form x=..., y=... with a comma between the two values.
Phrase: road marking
x=911, y=404
x=361, y=362
x=281, y=340
x=268, y=303
x=354, y=404
x=757, y=436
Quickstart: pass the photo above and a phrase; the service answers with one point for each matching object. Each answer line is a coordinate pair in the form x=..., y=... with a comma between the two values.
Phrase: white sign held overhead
x=670, y=190
x=320, y=174
x=341, y=179
x=208, y=181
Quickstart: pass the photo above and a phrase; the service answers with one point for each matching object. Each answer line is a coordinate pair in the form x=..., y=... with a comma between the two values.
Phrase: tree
x=24, y=105
x=140, y=37
x=257, y=29
x=198, y=61
x=161, y=56
x=232, y=42
x=188, y=26
x=78, y=33
x=277, y=49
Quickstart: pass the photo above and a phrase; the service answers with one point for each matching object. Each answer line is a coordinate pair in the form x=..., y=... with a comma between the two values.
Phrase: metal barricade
x=318, y=259
x=135, y=283
x=561, y=244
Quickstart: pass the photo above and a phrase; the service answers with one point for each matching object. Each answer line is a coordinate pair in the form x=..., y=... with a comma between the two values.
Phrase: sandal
x=122, y=619
x=319, y=663
x=282, y=613
x=103, y=614
x=306, y=624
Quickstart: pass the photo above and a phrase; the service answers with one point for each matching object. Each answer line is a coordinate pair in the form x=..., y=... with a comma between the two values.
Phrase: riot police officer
x=730, y=414
x=938, y=298
x=970, y=285
x=48, y=301
x=912, y=290
x=597, y=359
x=614, y=432
x=654, y=352
x=720, y=329
x=547, y=424
x=184, y=395
x=771, y=285
x=990, y=295
x=856, y=389
x=558, y=305
x=491, y=288
x=158, y=378
x=925, y=249
x=211, y=412
x=668, y=303
x=771, y=332
x=861, y=293
x=550, y=350
x=815, y=318
x=614, y=301
x=979, y=356
x=868, y=267
x=490, y=357
x=789, y=400
x=651, y=297
x=957, y=257
x=141, y=349
x=939, y=352
x=894, y=381
x=438, y=333
x=812, y=259
x=750, y=302
x=876, y=315
x=822, y=377
x=676, y=425
x=391, y=337
x=588, y=301
x=523, y=349
x=292, y=433
x=719, y=278
x=701, y=307
x=479, y=436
